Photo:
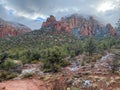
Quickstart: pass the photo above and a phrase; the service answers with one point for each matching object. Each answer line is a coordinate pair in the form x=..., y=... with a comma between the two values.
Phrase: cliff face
x=58, y=25
x=83, y=25
x=12, y=29
x=111, y=30
x=88, y=26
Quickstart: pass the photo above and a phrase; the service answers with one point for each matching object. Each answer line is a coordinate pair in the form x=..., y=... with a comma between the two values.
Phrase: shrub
x=72, y=54
x=90, y=46
x=5, y=75
x=82, y=63
x=11, y=76
x=93, y=58
x=54, y=59
x=27, y=75
x=24, y=59
x=8, y=64
x=34, y=61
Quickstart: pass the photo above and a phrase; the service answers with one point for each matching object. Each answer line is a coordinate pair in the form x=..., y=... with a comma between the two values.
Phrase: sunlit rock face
x=12, y=29
x=79, y=25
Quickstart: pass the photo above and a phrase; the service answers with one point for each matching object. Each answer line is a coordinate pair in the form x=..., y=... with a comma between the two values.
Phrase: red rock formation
x=58, y=25
x=44, y=24
x=86, y=29
x=111, y=30
x=49, y=21
x=12, y=29
x=87, y=26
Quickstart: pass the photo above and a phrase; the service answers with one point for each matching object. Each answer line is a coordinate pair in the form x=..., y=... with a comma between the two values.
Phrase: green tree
x=90, y=46
x=118, y=24
x=54, y=59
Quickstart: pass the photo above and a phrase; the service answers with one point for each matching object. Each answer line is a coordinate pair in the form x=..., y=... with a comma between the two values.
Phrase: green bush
x=8, y=64
x=11, y=76
x=92, y=58
x=90, y=45
x=82, y=63
x=27, y=75
x=5, y=75
x=34, y=61
x=72, y=54
x=54, y=59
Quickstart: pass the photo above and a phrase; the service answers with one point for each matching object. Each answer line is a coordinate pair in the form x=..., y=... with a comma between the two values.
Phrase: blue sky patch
x=11, y=12
x=39, y=19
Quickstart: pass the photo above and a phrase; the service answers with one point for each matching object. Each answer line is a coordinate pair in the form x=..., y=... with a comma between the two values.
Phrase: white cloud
x=32, y=12
x=30, y=16
x=105, y=6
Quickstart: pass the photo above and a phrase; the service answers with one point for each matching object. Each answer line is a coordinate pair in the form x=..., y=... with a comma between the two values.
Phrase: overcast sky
x=33, y=12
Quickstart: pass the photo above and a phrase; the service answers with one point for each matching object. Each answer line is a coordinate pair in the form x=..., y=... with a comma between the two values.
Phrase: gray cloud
x=3, y=12
x=26, y=11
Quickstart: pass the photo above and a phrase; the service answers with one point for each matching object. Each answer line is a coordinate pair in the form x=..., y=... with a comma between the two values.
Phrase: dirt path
x=28, y=84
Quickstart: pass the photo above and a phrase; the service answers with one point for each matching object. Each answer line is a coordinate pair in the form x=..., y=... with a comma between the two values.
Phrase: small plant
x=5, y=75
x=82, y=63
x=11, y=76
x=72, y=54
x=8, y=64
x=27, y=75
x=34, y=61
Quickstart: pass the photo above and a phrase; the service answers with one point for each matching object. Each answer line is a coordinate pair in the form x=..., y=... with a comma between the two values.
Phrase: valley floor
x=73, y=77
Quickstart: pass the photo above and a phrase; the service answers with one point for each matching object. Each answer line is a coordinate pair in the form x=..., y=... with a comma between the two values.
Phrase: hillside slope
x=12, y=29
x=37, y=39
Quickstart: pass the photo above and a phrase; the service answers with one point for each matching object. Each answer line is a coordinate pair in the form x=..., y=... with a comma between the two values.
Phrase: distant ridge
x=79, y=26
x=12, y=29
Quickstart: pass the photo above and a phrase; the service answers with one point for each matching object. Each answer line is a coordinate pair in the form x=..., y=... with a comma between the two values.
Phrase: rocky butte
x=51, y=22
x=79, y=25
x=12, y=29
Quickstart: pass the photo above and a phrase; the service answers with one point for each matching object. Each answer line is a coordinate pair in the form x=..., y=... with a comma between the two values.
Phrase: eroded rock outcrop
x=86, y=29
x=58, y=25
x=111, y=30
x=86, y=26
x=12, y=29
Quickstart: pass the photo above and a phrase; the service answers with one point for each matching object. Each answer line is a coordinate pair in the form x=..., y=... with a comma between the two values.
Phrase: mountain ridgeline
x=80, y=26
x=9, y=29
x=75, y=25
x=67, y=33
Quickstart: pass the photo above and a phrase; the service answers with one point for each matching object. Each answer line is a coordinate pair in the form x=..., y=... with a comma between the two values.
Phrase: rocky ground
x=92, y=76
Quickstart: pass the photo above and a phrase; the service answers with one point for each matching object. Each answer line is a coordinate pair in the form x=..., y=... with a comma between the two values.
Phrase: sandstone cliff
x=83, y=26
x=12, y=29
x=111, y=30
x=58, y=25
